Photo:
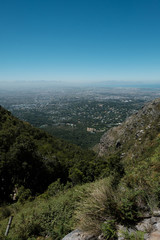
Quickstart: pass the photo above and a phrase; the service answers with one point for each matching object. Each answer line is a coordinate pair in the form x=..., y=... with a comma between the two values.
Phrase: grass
x=45, y=216
x=95, y=207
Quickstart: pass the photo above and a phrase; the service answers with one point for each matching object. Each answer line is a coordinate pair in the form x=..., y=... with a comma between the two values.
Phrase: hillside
x=123, y=205
x=134, y=197
x=134, y=135
x=31, y=158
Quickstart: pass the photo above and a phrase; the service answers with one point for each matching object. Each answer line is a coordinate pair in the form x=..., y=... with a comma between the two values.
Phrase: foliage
x=51, y=216
x=109, y=230
x=138, y=235
x=24, y=194
x=5, y=212
x=55, y=188
x=34, y=159
x=97, y=207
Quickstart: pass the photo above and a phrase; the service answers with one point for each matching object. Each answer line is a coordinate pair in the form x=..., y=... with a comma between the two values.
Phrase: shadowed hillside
x=31, y=158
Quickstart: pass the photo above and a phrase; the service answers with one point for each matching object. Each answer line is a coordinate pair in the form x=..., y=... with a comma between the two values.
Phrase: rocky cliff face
x=138, y=130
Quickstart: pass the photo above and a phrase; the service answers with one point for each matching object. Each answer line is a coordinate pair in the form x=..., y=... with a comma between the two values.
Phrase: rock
x=146, y=236
x=120, y=230
x=157, y=226
x=153, y=220
x=144, y=226
x=149, y=225
x=133, y=127
x=156, y=213
x=101, y=237
x=78, y=235
x=146, y=215
x=155, y=236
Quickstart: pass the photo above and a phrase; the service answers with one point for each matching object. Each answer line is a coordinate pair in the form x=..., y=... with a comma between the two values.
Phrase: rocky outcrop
x=78, y=235
x=148, y=228
x=132, y=130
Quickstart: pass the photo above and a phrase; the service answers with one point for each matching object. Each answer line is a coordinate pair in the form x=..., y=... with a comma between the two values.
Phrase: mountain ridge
x=136, y=130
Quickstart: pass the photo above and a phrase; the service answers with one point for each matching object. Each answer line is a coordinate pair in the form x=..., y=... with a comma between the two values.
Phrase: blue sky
x=80, y=40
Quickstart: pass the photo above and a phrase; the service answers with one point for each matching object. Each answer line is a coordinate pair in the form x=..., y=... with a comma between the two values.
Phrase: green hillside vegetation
x=126, y=181
x=33, y=159
x=50, y=214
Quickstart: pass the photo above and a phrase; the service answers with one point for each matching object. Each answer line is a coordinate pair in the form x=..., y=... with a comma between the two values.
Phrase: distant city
x=78, y=115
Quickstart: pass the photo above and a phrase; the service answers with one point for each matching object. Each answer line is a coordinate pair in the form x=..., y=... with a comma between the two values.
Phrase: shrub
x=138, y=235
x=24, y=194
x=55, y=188
x=104, y=204
x=127, y=209
x=97, y=207
x=5, y=212
x=28, y=227
x=108, y=229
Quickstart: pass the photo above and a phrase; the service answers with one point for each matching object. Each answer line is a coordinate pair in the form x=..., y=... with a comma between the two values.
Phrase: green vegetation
x=125, y=201
x=108, y=229
x=45, y=216
x=62, y=187
x=77, y=135
x=33, y=159
x=133, y=236
x=68, y=114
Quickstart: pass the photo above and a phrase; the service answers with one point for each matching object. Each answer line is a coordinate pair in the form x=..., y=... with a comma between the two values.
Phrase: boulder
x=155, y=236
x=78, y=235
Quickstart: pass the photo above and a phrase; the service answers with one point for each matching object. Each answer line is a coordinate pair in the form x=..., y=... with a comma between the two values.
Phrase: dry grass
x=96, y=208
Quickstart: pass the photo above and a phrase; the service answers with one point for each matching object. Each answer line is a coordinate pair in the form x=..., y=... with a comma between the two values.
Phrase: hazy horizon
x=53, y=85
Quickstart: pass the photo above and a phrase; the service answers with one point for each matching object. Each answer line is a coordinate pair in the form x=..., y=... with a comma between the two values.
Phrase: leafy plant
x=55, y=187
x=138, y=235
x=108, y=229
x=5, y=212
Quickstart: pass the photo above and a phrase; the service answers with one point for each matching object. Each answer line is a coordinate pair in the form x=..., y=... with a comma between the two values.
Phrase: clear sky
x=80, y=40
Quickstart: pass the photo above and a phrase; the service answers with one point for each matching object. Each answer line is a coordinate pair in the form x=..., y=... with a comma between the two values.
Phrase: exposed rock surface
x=155, y=236
x=78, y=235
x=149, y=227
x=134, y=129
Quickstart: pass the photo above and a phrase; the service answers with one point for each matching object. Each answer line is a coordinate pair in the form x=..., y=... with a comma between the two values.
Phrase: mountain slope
x=129, y=193
x=134, y=135
x=136, y=194
x=31, y=158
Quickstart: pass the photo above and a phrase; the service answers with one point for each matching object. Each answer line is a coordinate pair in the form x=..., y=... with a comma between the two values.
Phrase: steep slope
x=121, y=203
x=31, y=158
x=134, y=135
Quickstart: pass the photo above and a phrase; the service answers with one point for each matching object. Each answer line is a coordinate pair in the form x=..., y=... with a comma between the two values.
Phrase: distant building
x=92, y=130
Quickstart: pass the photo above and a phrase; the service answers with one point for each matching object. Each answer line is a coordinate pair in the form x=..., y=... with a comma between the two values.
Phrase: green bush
x=45, y=216
x=104, y=203
x=28, y=226
x=138, y=235
x=5, y=212
x=24, y=194
x=55, y=188
x=97, y=207
x=108, y=229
